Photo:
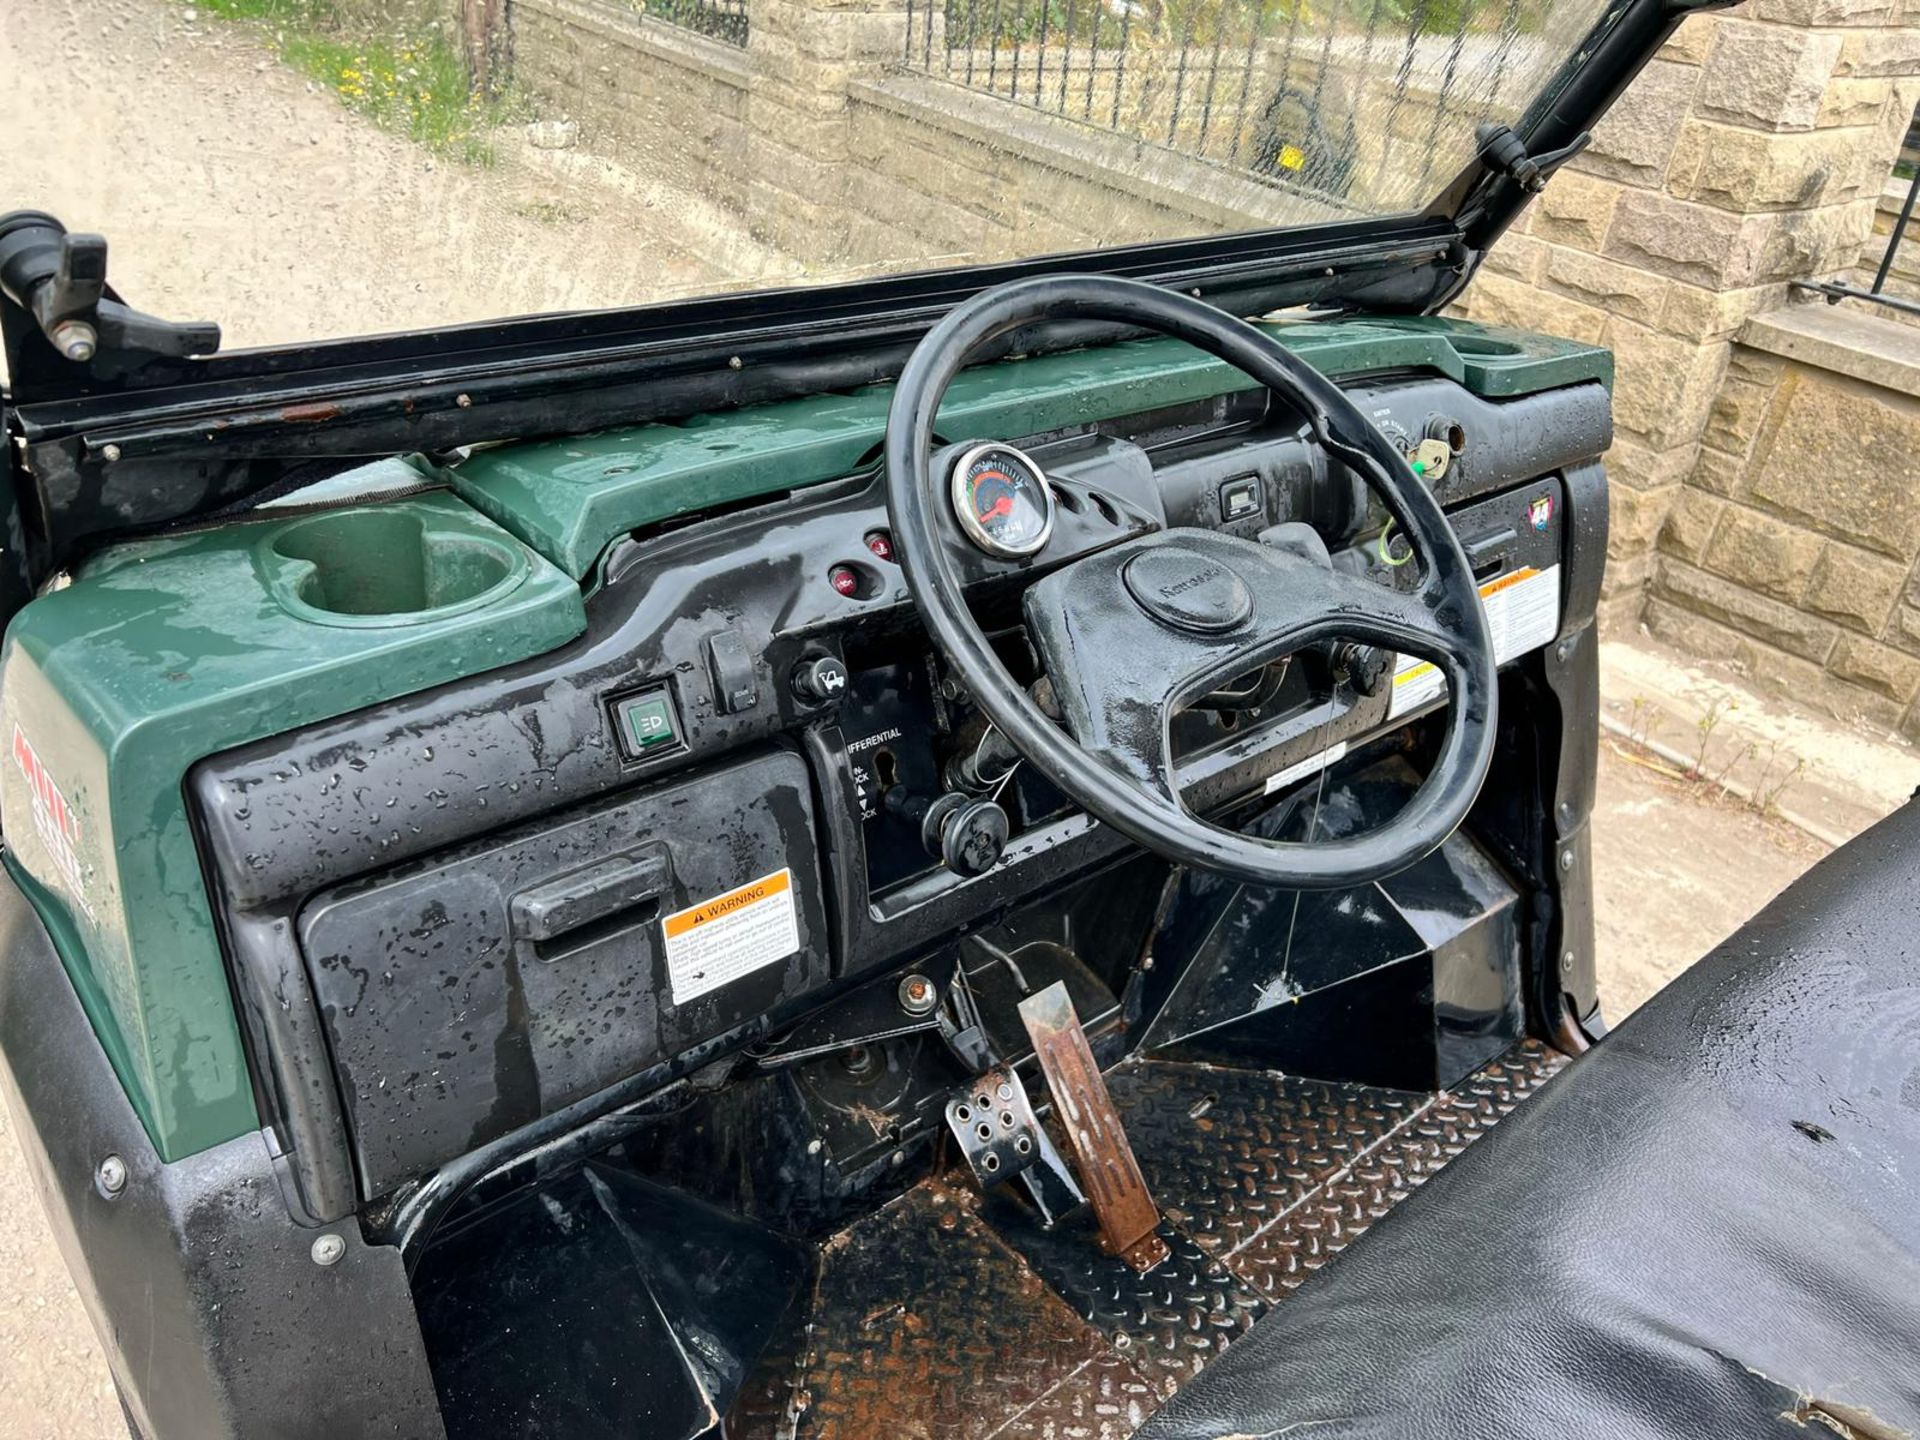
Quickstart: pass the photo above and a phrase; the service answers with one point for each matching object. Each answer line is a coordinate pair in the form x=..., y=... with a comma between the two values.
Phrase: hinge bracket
x=1506, y=153
x=60, y=281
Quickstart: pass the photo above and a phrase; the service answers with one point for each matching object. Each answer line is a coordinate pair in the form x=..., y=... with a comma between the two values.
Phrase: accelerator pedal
x=1121, y=1201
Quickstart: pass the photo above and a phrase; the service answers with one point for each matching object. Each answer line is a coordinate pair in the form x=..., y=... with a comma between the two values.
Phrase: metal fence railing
x=1907, y=168
x=1313, y=92
x=723, y=20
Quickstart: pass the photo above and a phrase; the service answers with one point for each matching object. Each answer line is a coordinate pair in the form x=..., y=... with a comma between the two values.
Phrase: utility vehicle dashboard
x=752, y=781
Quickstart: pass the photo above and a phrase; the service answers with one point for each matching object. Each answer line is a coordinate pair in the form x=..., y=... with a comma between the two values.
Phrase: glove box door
x=468, y=995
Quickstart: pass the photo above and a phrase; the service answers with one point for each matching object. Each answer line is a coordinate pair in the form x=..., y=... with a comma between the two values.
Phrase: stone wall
x=671, y=102
x=963, y=178
x=1794, y=549
x=833, y=157
x=835, y=152
x=1749, y=154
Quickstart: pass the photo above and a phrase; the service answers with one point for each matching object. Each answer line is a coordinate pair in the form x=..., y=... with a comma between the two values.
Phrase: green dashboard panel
x=164, y=651
x=570, y=498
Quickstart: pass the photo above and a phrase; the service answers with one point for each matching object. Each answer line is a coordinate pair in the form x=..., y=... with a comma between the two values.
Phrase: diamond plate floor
x=946, y=1316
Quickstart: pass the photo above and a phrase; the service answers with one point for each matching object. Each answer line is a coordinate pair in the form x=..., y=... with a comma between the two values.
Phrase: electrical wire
x=1386, y=551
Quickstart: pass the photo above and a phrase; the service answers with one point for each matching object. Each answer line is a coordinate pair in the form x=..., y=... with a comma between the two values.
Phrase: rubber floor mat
x=949, y=1316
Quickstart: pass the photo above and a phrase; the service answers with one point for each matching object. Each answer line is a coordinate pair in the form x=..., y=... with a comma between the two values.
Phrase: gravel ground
x=233, y=190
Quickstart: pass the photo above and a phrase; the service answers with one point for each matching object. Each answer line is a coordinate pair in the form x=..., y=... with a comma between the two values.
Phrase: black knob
x=973, y=834
x=820, y=679
x=966, y=833
x=1365, y=667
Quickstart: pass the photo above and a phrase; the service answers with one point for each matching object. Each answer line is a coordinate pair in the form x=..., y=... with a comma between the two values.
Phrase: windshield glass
x=298, y=169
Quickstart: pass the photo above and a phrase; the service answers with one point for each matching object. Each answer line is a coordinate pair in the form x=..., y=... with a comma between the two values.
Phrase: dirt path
x=233, y=190
x=1676, y=870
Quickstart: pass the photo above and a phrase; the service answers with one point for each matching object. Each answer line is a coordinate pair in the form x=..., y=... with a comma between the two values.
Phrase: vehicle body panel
x=161, y=652
x=569, y=498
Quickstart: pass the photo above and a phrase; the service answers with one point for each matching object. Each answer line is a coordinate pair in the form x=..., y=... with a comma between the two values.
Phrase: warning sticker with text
x=1312, y=765
x=717, y=941
x=1523, y=612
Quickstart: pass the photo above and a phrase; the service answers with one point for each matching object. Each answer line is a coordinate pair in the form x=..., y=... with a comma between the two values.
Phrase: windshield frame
x=102, y=449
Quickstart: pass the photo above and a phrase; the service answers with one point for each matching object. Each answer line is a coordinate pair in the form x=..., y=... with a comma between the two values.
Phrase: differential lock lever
x=1002, y=1138
x=1129, y=1218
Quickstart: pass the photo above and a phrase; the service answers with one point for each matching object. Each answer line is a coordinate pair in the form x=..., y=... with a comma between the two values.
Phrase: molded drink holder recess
x=385, y=565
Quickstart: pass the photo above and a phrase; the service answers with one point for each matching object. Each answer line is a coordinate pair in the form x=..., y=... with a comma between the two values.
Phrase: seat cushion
x=1707, y=1226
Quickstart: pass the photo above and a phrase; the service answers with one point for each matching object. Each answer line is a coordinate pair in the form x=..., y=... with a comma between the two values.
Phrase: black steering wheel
x=1130, y=633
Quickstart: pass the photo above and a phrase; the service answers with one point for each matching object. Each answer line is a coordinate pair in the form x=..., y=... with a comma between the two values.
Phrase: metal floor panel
x=1169, y=1321
x=948, y=1316
x=1272, y=1233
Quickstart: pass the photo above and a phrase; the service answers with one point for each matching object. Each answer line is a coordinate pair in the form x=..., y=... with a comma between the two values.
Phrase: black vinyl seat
x=1707, y=1226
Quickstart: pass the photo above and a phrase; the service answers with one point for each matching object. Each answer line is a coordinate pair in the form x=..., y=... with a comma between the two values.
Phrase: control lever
x=60, y=279
x=966, y=833
x=1129, y=1217
x=963, y=1030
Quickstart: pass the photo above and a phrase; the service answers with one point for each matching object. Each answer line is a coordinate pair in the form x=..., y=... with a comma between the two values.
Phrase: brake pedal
x=1002, y=1140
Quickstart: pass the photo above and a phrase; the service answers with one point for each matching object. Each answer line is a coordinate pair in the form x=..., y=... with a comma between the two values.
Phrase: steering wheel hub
x=1188, y=591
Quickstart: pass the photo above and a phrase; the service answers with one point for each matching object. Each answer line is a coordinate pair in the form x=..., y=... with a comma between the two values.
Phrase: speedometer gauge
x=1002, y=501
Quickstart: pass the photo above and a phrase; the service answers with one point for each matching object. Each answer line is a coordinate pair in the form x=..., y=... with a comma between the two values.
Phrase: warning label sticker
x=717, y=941
x=1523, y=612
x=1300, y=769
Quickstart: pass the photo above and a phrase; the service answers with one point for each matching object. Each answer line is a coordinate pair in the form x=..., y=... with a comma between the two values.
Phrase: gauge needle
x=1002, y=506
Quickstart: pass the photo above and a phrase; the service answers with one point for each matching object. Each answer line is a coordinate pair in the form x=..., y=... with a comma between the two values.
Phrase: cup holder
x=1484, y=345
x=387, y=566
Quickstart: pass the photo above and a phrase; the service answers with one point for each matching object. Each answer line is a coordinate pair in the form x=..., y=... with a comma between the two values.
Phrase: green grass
x=551, y=212
x=267, y=9
x=411, y=84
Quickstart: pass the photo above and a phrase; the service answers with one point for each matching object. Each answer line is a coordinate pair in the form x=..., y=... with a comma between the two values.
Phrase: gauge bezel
x=960, y=498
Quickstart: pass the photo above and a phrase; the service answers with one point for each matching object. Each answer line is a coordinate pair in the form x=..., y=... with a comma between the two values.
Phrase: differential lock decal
x=1523, y=612
x=717, y=941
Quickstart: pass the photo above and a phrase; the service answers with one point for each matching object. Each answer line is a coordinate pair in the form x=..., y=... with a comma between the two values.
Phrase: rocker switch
x=735, y=686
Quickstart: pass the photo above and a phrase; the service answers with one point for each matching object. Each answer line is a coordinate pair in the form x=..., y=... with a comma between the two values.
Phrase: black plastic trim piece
x=1567, y=995
x=215, y=1317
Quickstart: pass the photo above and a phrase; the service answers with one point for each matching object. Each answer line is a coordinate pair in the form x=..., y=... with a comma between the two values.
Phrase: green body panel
x=162, y=652
x=570, y=498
